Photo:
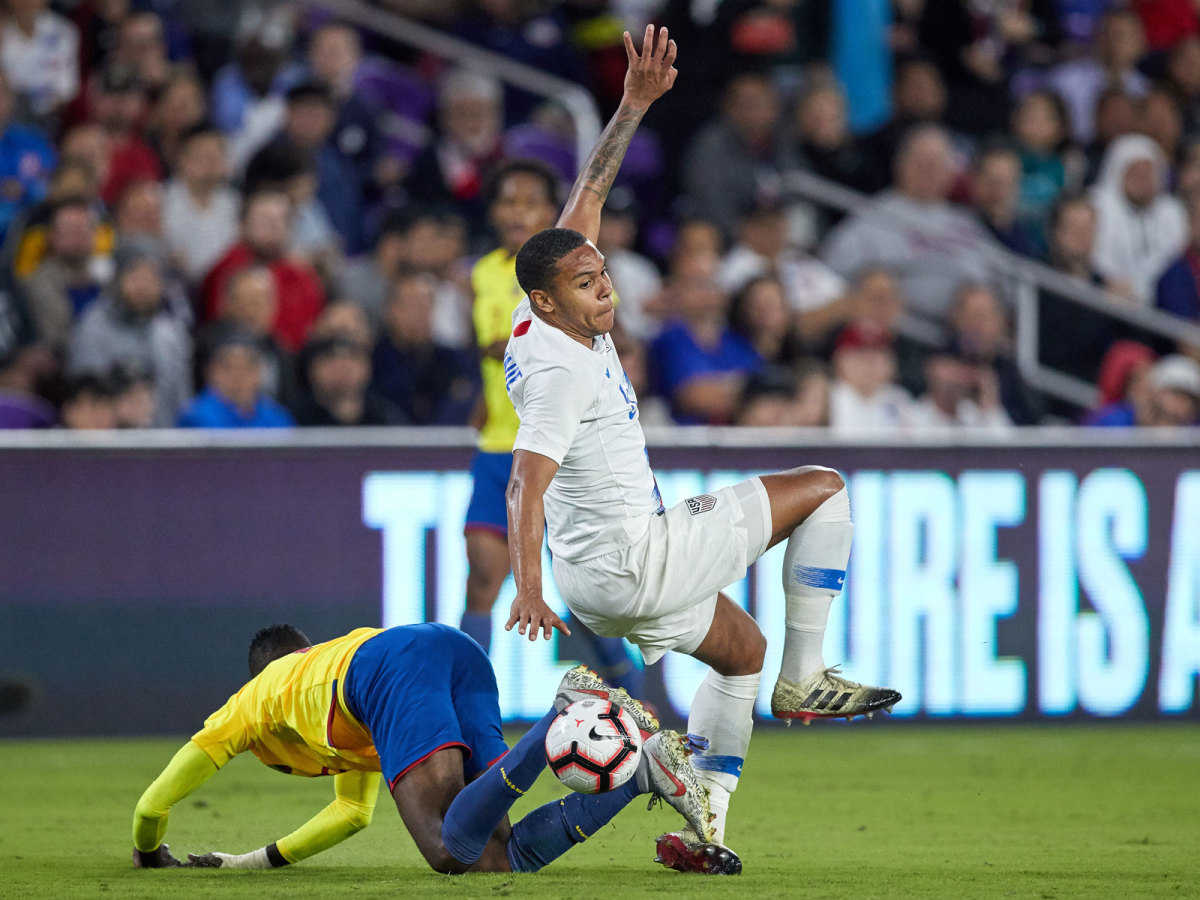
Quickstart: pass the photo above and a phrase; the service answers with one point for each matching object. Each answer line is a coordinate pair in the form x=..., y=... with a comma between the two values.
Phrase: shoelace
x=834, y=674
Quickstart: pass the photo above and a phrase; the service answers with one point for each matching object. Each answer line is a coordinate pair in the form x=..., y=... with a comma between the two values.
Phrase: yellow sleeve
x=186, y=771
x=349, y=813
x=226, y=733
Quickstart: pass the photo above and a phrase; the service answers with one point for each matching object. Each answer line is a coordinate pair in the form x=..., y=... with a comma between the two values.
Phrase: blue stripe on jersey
x=826, y=579
x=730, y=765
x=511, y=372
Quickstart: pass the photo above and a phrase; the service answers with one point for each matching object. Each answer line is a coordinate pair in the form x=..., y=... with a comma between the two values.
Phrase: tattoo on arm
x=601, y=167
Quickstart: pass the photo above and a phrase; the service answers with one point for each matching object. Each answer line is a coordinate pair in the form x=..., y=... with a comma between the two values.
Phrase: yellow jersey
x=293, y=715
x=497, y=293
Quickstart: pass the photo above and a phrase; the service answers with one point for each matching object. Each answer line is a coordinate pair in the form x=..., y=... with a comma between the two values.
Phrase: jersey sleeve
x=186, y=771
x=353, y=804
x=225, y=733
x=551, y=403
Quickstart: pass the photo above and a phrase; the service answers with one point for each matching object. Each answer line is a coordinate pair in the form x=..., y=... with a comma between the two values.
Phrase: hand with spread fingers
x=651, y=73
x=531, y=615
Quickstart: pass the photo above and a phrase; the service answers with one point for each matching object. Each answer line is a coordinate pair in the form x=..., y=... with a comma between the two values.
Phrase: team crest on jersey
x=701, y=504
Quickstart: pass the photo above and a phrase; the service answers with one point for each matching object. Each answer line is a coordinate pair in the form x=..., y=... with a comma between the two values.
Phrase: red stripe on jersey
x=522, y=328
x=497, y=759
x=412, y=765
x=329, y=720
x=489, y=528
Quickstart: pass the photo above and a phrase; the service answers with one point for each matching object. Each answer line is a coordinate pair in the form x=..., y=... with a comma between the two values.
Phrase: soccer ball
x=593, y=746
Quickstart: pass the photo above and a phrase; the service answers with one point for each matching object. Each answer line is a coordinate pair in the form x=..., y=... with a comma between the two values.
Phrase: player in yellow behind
x=523, y=199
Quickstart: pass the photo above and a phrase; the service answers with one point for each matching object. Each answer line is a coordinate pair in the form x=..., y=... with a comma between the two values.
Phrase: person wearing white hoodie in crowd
x=1140, y=226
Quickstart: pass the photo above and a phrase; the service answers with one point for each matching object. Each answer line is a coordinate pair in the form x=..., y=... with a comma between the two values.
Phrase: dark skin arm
x=649, y=76
x=531, y=476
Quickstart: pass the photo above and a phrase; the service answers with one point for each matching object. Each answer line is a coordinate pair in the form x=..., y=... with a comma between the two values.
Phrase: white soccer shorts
x=661, y=592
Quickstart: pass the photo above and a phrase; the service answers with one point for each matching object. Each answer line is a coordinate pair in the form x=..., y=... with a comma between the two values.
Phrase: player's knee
x=442, y=860
x=821, y=479
x=756, y=652
x=748, y=652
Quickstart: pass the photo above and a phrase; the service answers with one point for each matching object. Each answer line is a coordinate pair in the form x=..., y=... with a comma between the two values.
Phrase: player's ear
x=541, y=300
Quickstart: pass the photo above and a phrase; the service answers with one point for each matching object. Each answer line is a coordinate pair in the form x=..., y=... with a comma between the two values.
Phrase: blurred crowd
x=240, y=214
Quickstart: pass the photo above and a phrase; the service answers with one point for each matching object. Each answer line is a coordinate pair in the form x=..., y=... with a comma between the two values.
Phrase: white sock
x=723, y=712
x=814, y=570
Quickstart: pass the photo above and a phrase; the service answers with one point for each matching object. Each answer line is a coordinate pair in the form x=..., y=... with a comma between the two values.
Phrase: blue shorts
x=423, y=688
x=487, y=509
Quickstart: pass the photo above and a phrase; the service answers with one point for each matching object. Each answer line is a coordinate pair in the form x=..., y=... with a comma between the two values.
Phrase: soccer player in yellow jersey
x=522, y=200
x=418, y=706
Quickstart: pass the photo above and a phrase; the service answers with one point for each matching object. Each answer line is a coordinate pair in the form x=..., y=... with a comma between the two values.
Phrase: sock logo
x=825, y=579
x=730, y=765
x=701, y=504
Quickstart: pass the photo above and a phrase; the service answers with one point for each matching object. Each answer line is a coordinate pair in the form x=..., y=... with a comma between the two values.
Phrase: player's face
x=582, y=295
x=521, y=209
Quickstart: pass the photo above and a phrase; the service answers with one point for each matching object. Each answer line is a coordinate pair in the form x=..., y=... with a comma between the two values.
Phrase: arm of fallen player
x=267, y=857
x=650, y=75
x=189, y=768
x=531, y=476
x=350, y=812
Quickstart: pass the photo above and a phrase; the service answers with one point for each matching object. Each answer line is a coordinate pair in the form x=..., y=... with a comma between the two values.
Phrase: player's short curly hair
x=537, y=261
x=275, y=641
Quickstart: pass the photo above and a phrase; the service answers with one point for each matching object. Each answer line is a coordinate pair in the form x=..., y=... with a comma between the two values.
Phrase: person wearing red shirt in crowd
x=264, y=241
x=119, y=107
x=1167, y=21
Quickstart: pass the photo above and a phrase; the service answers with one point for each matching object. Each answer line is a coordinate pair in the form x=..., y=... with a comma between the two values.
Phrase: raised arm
x=650, y=75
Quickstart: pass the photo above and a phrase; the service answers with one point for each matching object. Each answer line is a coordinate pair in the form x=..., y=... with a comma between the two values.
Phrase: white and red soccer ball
x=593, y=746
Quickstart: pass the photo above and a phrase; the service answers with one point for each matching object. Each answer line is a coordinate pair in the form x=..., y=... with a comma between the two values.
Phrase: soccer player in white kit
x=625, y=565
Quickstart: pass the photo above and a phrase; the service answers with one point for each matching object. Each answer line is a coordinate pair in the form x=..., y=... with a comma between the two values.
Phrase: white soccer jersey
x=578, y=408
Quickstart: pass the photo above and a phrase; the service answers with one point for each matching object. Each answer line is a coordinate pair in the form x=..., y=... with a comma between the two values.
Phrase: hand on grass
x=212, y=860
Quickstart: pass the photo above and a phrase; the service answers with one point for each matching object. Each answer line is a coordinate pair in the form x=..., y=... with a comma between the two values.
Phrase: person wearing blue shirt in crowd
x=233, y=396
x=699, y=364
x=26, y=161
x=1178, y=289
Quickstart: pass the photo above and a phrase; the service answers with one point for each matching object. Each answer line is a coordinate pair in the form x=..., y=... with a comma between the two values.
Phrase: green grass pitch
x=867, y=810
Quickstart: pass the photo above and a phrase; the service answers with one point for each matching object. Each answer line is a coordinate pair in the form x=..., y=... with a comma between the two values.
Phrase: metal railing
x=577, y=101
x=334, y=440
x=1027, y=279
